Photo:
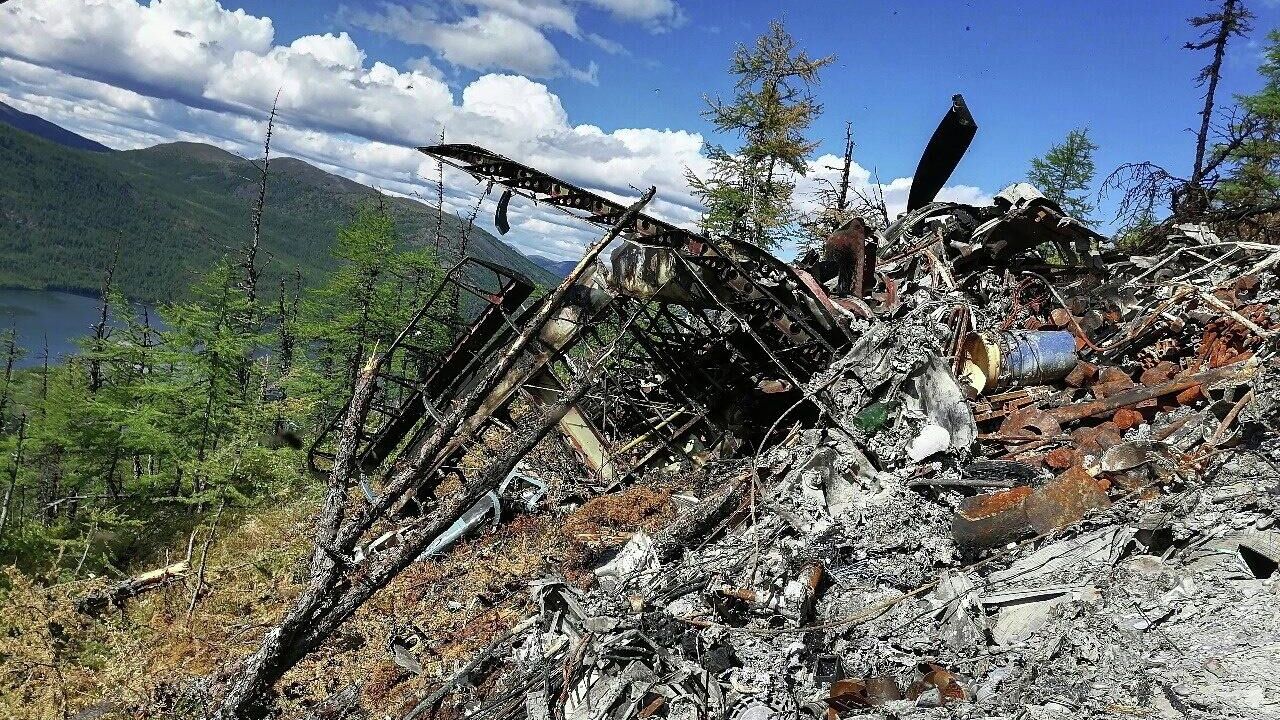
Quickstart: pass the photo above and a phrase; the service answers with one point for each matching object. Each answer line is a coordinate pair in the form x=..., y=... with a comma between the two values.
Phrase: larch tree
x=748, y=191
x=1233, y=19
x=1252, y=173
x=1065, y=173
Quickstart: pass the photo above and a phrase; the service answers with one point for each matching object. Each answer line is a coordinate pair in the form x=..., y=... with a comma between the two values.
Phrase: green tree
x=1065, y=173
x=1252, y=159
x=366, y=301
x=747, y=193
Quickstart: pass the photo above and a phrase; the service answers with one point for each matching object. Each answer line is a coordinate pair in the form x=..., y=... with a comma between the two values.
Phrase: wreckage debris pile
x=1033, y=489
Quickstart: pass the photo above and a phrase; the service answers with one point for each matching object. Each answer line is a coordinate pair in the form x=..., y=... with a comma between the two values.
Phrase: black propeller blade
x=942, y=154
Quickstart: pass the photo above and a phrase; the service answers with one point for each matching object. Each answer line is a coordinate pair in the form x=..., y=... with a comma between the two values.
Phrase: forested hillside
x=37, y=125
x=174, y=210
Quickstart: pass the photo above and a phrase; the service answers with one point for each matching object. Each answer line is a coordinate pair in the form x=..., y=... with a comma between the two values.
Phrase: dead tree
x=338, y=586
x=13, y=474
x=832, y=198
x=842, y=190
x=95, y=602
x=1231, y=20
x=101, y=330
x=435, y=241
x=250, y=262
x=1143, y=185
x=11, y=356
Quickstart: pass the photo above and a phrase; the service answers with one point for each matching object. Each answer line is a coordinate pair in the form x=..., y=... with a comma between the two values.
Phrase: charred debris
x=1012, y=472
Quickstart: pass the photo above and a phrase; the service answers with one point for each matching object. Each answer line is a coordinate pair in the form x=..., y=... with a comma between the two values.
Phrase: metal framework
x=703, y=360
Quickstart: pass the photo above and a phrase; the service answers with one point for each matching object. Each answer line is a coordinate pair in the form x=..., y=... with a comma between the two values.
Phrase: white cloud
x=505, y=35
x=658, y=15
x=133, y=75
x=487, y=41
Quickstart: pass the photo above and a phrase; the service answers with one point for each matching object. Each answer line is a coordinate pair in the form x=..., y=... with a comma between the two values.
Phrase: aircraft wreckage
x=722, y=336
x=904, y=441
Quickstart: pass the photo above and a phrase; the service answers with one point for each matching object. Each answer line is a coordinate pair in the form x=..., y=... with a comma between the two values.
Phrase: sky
x=609, y=93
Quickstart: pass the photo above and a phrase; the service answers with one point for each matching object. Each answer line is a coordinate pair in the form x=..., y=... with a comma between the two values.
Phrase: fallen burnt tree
x=116, y=595
x=1123, y=407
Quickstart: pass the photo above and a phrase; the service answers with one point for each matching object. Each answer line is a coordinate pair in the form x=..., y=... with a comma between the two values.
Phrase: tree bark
x=337, y=588
x=13, y=474
x=1212, y=73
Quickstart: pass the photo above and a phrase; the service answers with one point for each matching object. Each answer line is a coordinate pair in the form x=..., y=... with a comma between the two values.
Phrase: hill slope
x=559, y=268
x=47, y=130
x=175, y=209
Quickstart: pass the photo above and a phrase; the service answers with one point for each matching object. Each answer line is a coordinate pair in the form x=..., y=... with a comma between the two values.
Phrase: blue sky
x=537, y=78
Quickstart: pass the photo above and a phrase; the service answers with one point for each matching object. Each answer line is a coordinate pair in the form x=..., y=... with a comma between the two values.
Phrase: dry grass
x=54, y=662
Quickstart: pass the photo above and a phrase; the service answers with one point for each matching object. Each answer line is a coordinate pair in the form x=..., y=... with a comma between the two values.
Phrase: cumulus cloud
x=658, y=15
x=507, y=35
x=133, y=75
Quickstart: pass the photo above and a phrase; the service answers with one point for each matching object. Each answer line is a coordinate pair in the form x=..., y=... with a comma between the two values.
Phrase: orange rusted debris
x=1082, y=374
x=1030, y=423
x=1064, y=500
x=1126, y=419
x=850, y=694
x=1226, y=340
x=1111, y=381
x=1190, y=395
x=1094, y=440
x=1158, y=373
x=1109, y=405
x=990, y=520
x=1061, y=458
x=935, y=676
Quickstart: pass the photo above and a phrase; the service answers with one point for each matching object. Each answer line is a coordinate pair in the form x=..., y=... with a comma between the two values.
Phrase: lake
x=36, y=314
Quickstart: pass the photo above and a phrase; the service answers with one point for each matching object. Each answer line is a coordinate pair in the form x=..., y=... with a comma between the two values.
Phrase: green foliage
x=1252, y=159
x=175, y=210
x=367, y=301
x=748, y=191
x=190, y=419
x=1065, y=174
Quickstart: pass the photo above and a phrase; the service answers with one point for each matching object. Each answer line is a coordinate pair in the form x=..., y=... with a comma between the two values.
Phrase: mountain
x=175, y=209
x=559, y=268
x=47, y=130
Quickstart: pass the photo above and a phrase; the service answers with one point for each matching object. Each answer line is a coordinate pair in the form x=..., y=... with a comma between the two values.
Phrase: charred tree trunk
x=1232, y=19
x=13, y=474
x=842, y=191
x=11, y=356
x=100, y=329
x=259, y=671
x=337, y=588
x=303, y=632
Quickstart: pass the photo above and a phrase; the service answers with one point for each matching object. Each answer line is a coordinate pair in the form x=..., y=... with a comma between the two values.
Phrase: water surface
x=60, y=317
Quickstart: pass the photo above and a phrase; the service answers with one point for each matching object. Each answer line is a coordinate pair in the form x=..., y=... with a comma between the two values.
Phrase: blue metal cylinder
x=1035, y=357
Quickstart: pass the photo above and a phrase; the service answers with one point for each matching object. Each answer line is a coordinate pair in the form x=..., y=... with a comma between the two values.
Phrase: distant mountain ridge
x=55, y=133
x=559, y=268
x=175, y=209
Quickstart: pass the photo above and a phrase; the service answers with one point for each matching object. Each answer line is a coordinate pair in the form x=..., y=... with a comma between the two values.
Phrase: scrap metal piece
x=932, y=677
x=992, y=520
x=943, y=153
x=500, y=214
x=1064, y=500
